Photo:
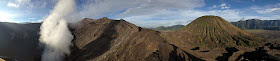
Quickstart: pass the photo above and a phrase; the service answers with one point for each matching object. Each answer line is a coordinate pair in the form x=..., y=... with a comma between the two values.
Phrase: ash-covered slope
x=106, y=39
x=214, y=31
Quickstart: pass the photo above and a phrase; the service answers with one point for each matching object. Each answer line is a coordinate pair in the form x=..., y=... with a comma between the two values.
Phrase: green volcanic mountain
x=214, y=31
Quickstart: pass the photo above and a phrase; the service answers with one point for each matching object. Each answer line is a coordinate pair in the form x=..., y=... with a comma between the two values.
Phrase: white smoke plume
x=55, y=34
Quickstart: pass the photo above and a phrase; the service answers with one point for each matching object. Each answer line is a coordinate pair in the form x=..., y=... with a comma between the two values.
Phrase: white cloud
x=268, y=10
x=156, y=6
x=277, y=5
x=12, y=5
x=101, y=8
x=214, y=6
x=156, y=19
x=31, y=3
x=182, y=16
x=273, y=17
x=186, y=16
x=31, y=18
x=229, y=15
x=153, y=13
x=141, y=9
x=17, y=3
x=22, y=1
x=224, y=6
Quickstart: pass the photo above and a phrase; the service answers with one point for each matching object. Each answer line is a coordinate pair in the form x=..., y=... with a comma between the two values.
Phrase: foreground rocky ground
x=273, y=41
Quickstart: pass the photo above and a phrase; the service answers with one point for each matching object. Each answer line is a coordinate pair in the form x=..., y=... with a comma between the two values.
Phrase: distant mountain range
x=258, y=24
x=242, y=24
x=169, y=28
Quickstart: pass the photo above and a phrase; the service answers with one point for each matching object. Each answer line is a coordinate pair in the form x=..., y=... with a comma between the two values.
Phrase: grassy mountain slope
x=214, y=31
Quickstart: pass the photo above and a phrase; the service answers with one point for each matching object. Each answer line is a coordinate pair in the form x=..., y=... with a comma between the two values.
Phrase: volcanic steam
x=55, y=34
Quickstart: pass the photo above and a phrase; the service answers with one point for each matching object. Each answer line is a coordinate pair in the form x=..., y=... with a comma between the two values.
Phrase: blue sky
x=146, y=13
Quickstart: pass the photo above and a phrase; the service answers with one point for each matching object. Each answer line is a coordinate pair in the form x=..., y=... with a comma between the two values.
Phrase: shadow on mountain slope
x=259, y=54
x=102, y=43
x=229, y=53
x=107, y=39
x=174, y=57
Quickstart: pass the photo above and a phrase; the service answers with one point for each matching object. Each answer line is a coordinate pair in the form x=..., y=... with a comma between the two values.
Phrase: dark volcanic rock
x=225, y=56
x=19, y=41
x=259, y=55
